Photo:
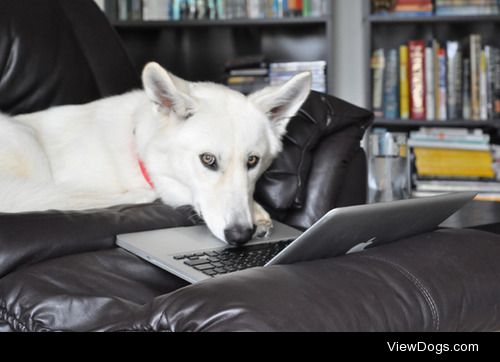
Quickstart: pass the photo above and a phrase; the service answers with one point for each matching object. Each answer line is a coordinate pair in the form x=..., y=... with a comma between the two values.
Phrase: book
x=466, y=106
x=454, y=82
x=457, y=185
x=404, y=84
x=429, y=81
x=378, y=66
x=442, y=116
x=495, y=82
x=391, y=91
x=438, y=162
x=483, y=88
x=436, y=67
x=155, y=10
x=283, y=71
x=475, y=73
x=417, y=78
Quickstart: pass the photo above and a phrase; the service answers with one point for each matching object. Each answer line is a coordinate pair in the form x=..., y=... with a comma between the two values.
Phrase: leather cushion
x=284, y=184
x=440, y=281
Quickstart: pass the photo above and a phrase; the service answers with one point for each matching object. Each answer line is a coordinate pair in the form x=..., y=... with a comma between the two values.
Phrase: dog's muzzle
x=238, y=235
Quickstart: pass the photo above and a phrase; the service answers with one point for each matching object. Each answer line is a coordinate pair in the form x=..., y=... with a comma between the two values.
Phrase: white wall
x=349, y=69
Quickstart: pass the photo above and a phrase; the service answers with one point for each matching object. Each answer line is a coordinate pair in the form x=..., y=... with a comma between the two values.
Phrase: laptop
x=194, y=254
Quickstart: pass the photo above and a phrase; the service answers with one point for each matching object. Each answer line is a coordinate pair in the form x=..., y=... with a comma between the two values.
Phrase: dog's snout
x=238, y=235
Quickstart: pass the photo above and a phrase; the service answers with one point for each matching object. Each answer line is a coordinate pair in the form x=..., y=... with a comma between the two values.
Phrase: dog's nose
x=238, y=235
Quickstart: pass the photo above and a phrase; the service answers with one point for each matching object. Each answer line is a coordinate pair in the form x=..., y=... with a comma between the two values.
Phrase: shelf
x=229, y=22
x=388, y=19
x=409, y=124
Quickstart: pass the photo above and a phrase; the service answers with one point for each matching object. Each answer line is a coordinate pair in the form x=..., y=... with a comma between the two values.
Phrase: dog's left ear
x=281, y=102
x=167, y=91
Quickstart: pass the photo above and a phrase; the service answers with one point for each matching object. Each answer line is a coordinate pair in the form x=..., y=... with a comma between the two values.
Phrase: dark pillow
x=283, y=185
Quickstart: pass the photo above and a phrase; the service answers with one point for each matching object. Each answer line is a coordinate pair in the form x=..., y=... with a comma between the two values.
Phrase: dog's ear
x=281, y=102
x=167, y=91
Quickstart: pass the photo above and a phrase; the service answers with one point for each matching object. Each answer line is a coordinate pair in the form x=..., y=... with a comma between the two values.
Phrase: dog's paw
x=262, y=221
x=263, y=228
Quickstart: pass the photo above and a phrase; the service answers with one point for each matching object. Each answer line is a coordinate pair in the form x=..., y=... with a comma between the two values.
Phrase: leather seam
x=415, y=281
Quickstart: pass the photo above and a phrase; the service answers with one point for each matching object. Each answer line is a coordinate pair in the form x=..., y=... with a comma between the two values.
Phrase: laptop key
x=191, y=262
x=210, y=272
x=203, y=267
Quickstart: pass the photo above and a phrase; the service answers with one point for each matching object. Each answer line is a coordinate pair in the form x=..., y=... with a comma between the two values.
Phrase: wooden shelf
x=229, y=22
x=409, y=124
x=388, y=19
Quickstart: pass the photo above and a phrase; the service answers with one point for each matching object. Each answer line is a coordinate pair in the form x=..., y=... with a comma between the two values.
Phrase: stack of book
x=281, y=72
x=457, y=159
x=440, y=7
x=212, y=9
x=467, y=7
x=247, y=74
x=403, y=7
x=454, y=80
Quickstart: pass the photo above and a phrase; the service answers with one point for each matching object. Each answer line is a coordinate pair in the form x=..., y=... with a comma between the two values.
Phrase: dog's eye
x=252, y=161
x=208, y=160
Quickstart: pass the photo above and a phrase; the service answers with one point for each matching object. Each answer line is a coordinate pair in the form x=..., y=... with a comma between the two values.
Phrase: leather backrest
x=55, y=52
x=321, y=140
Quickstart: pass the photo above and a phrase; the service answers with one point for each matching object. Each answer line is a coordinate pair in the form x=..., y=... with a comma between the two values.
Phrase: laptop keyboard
x=222, y=261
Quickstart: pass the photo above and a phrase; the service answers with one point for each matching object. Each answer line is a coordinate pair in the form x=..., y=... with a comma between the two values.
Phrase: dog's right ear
x=169, y=93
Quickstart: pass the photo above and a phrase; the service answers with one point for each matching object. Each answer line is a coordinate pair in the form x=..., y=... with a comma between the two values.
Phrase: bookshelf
x=389, y=31
x=405, y=124
x=198, y=49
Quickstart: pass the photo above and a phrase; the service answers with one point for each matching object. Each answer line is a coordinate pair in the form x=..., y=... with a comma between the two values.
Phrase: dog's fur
x=86, y=156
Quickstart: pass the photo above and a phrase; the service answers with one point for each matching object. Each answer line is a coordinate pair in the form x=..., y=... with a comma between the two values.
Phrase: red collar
x=145, y=173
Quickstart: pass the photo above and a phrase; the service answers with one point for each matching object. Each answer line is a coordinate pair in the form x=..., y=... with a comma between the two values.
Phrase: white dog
x=198, y=144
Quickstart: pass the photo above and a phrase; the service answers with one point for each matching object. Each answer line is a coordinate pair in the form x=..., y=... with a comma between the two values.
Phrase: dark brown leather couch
x=60, y=271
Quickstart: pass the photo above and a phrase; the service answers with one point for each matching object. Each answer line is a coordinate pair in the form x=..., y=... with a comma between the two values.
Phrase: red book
x=416, y=49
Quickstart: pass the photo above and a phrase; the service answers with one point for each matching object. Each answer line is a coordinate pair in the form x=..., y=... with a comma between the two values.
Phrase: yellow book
x=404, y=84
x=452, y=162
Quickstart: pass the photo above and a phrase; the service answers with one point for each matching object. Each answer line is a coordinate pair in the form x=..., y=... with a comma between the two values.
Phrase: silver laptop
x=194, y=254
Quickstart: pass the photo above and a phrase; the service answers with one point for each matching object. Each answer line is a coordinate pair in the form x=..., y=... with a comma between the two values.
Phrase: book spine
x=475, y=73
x=496, y=82
x=123, y=10
x=435, y=66
x=404, y=84
x=429, y=80
x=391, y=104
x=483, y=89
x=417, y=79
x=489, y=81
x=378, y=65
x=135, y=10
x=466, y=106
x=454, y=77
x=220, y=9
x=176, y=9
x=442, y=85
x=306, y=7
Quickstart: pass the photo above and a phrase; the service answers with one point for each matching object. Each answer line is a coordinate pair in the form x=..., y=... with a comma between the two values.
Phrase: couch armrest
x=27, y=238
x=448, y=280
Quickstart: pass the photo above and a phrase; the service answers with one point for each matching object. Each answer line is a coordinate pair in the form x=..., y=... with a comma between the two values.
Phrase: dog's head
x=211, y=144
